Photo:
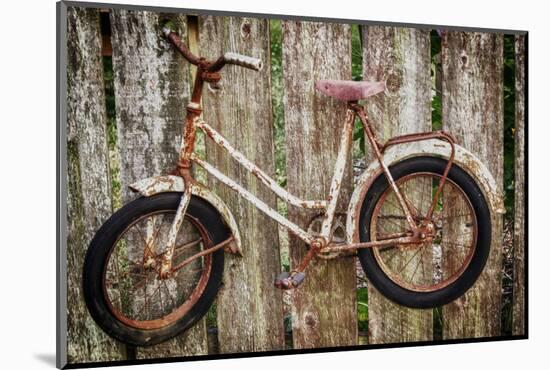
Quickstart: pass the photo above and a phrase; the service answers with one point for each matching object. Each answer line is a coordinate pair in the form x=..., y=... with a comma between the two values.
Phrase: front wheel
x=453, y=254
x=122, y=286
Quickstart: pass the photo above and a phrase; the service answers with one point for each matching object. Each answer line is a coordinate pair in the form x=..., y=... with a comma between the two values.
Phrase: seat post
x=371, y=135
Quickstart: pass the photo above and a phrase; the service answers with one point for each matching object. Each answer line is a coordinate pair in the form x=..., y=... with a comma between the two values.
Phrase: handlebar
x=227, y=58
x=176, y=41
x=238, y=60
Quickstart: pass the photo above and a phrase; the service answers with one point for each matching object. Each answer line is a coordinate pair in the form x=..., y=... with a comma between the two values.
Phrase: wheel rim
x=132, y=288
x=446, y=254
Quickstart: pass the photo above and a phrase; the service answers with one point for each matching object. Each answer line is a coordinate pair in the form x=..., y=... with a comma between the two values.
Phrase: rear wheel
x=122, y=286
x=458, y=235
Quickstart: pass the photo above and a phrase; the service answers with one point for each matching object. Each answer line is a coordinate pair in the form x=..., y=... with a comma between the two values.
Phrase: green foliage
x=359, y=135
x=276, y=41
x=509, y=123
x=212, y=316
x=357, y=75
x=435, y=43
x=362, y=309
x=438, y=323
x=285, y=261
x=435, y=55
x=356, y=53
x=108, y=81
x=287, y=321
x=169, y=24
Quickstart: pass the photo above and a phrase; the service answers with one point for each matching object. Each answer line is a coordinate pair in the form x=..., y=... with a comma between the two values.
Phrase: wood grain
x=518, y=321
x=324, y=307
x=89, y=188
x=249, y=307
x=472, y=109
x=151, y=82
x=400, y=57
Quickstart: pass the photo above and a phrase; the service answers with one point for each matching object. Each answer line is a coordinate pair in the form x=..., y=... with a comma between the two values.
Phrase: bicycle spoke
x=422, y=262
x=418, y=264
x=133, y=287
x=410, y=259
x=410, y=204
x=401, y=263
x=395, y=252
x=144, y=240
x=395, y=223
x=144, y=299
x=169, y=294
x=155, y=233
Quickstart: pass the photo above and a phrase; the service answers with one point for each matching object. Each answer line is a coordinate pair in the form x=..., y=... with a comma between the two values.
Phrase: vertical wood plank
x=324, y=307
x=401, y=57
x=249, y=308
x=472, y=110
x=151, y=90
x=518, y=323
x=89, y=190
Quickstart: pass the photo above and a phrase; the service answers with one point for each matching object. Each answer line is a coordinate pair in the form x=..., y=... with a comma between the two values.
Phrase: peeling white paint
x=169, y=183
x=463, y=158
x=259, y=173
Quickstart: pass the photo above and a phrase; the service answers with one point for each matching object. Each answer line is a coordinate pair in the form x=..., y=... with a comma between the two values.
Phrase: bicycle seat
x=349, y=90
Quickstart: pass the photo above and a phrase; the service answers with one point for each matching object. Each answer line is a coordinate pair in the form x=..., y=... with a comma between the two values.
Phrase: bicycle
x=155, y=266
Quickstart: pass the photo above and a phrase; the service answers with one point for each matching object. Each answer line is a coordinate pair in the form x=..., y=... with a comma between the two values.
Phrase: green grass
x=363, y=309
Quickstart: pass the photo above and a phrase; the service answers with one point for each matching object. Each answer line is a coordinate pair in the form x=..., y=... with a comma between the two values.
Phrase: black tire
x=374, y=272
x=104, y=240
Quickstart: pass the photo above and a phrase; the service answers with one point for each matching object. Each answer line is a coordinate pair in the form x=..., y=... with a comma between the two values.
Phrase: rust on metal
x=371, y=244
x=427, y=136
x=427, y=234
x=392, y=151
x=254, y=200
x=256, y=171
x=166, y=263
x=203, y=253
x=394, y=154
x=179, y=311
x=170, y=183
x=339, y=168
x=211, y=76
x=378, y=153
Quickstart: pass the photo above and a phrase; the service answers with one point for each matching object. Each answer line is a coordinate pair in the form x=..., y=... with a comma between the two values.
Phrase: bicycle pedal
x=288, y=281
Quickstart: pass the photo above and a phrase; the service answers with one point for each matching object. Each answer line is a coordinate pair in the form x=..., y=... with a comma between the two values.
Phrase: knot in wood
x=246, y=29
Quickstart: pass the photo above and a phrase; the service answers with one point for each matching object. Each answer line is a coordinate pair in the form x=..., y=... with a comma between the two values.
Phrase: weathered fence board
x=151, y=90
x=89, y=191
x=518, y=323
x=401, y=57
x=472, y=99
x=152, y=87
x=324, y=308
x=249, y=311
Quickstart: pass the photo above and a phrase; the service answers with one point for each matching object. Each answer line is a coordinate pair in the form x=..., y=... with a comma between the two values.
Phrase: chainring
x=338, y=233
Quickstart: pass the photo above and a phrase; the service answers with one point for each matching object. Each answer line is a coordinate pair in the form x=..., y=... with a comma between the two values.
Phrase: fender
x=170, y=183
x=435, y=148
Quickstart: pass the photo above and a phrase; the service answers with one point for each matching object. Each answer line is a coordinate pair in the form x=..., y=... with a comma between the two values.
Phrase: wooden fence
x=151, y=90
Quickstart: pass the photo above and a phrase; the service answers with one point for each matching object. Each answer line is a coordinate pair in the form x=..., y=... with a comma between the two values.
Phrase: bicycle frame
x=320, y=242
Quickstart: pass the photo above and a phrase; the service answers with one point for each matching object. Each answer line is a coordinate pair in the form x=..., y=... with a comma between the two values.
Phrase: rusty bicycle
x=419, y=220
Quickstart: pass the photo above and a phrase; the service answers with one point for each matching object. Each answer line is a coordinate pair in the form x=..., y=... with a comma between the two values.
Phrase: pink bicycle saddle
x=349, y=90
